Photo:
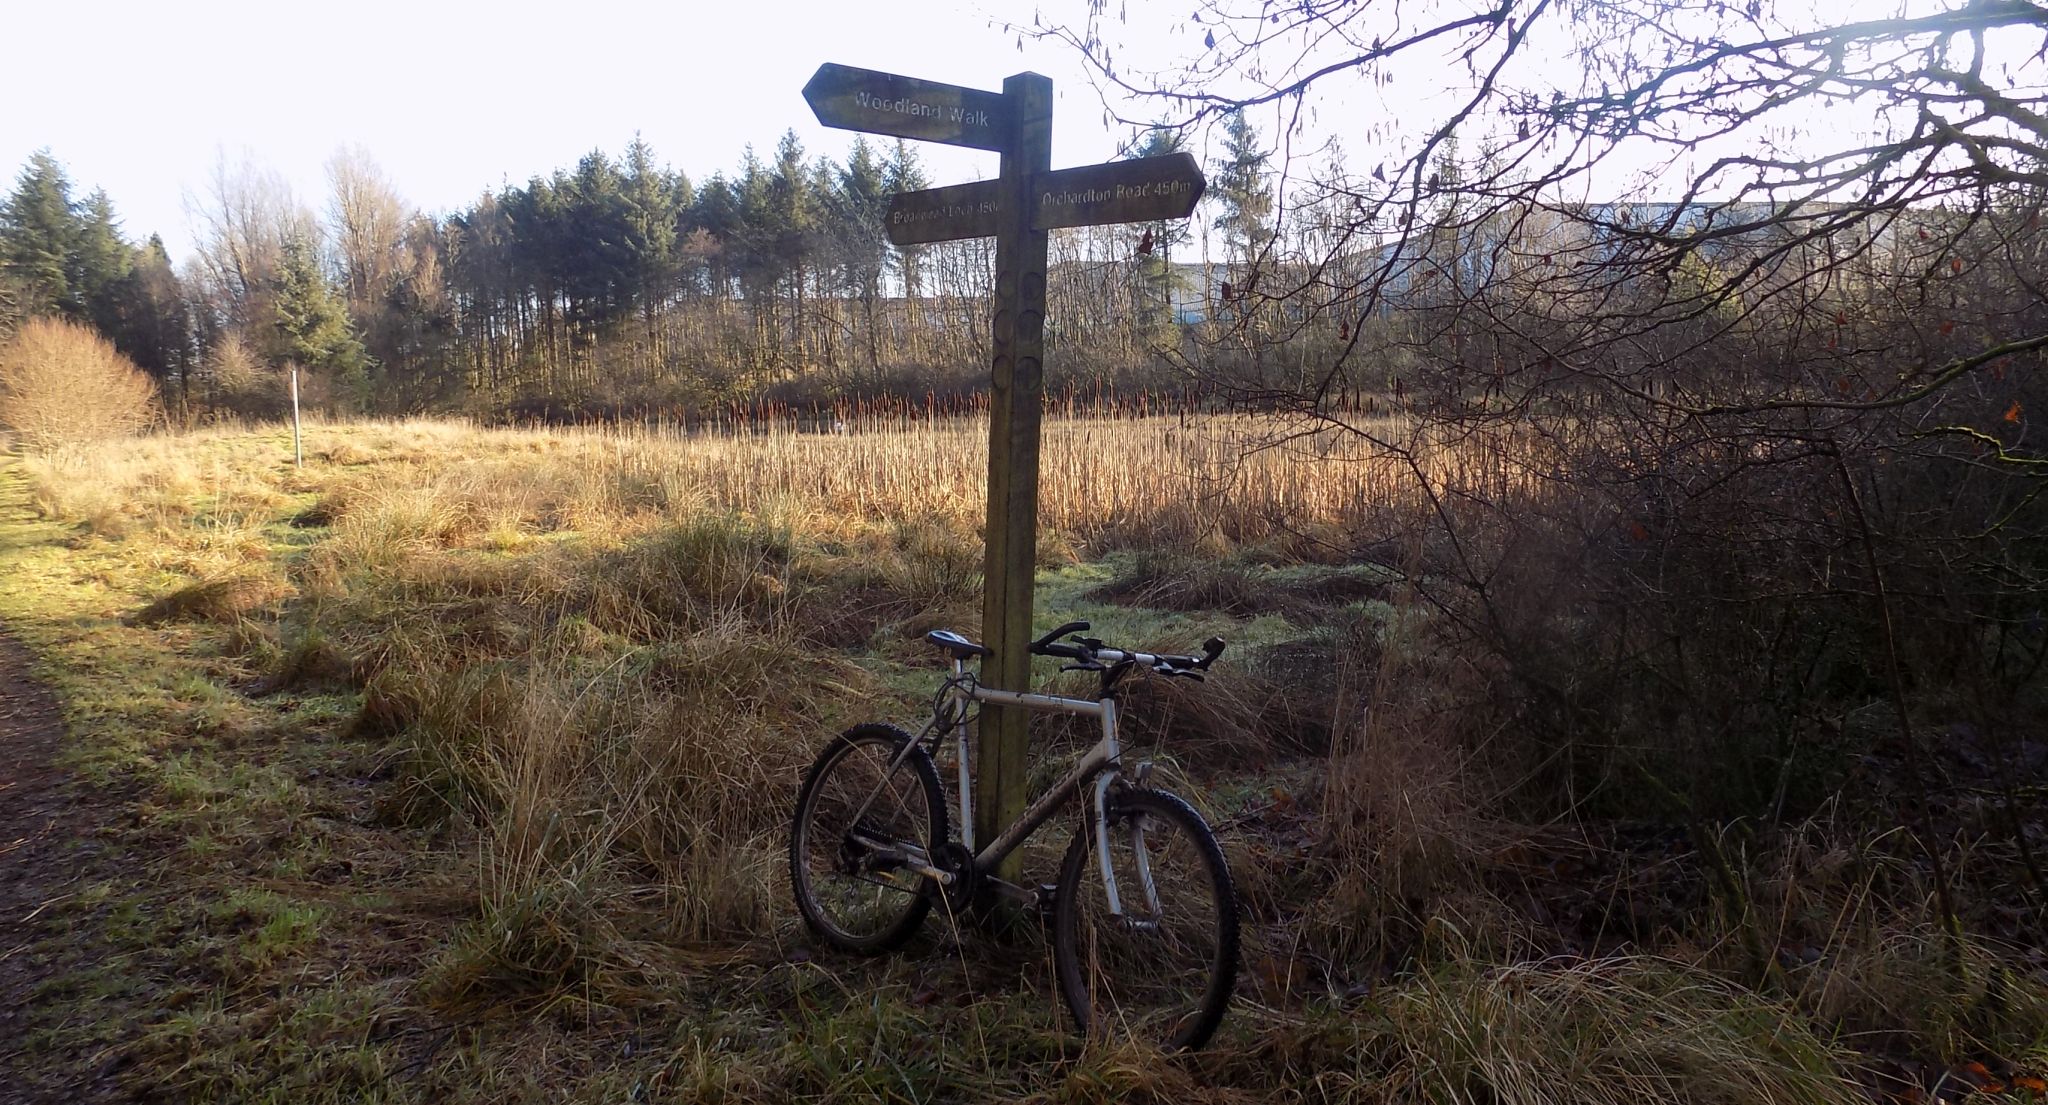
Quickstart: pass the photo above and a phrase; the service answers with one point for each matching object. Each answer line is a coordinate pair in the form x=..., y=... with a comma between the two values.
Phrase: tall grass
x=596, y=661
x=1108, y=482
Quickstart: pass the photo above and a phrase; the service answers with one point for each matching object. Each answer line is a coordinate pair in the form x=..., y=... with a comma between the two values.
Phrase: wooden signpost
x=1026, y=200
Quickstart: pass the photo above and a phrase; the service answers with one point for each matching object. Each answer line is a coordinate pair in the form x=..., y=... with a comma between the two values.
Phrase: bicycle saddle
x=959, y=646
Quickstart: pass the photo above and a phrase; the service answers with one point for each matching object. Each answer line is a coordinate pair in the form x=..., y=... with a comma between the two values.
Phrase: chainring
x=961, y=894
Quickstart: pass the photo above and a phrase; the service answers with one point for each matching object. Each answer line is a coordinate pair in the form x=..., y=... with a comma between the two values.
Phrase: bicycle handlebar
x=1044, y=643
x=1090, y=651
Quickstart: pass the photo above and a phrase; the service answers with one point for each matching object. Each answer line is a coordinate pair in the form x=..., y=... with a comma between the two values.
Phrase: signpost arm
x=1015, y=407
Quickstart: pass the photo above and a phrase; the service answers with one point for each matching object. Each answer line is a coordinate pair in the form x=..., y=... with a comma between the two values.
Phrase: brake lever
x=1081, y=667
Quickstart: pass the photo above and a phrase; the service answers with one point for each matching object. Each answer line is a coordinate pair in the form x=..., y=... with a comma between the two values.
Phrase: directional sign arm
x=944, y=214
x=1144, y=190
x=1149, y=189
x=885, y=103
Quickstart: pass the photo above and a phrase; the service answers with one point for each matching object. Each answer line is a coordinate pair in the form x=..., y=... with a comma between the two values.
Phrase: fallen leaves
x=1979, y=1077
x=1912, y=1084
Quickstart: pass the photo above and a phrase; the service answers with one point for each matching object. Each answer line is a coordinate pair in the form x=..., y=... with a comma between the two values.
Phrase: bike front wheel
x=870, y=807
x=1159, y=966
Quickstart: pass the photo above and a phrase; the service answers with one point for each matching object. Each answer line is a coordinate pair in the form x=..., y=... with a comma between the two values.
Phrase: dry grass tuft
x=1593, y=1032
x=1167, y=580
x=225, y=600
x=312, y=660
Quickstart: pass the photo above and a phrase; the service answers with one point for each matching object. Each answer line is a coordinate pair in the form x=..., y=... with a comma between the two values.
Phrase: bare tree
x=1710, y=334
x=366, y=222
x=244, y=220
x=1752, y=124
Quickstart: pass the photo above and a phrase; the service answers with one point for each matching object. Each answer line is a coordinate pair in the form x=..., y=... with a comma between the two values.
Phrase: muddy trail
x=42, y=822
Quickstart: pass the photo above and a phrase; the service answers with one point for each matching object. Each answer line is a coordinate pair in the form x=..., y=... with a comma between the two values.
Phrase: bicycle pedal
x=1043, y=901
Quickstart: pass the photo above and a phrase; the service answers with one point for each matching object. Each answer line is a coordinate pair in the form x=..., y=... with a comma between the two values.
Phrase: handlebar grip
x=1043, y=645
x=1211, y=649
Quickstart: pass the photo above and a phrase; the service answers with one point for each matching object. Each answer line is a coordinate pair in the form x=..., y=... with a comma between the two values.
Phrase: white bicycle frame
x=1102, y=764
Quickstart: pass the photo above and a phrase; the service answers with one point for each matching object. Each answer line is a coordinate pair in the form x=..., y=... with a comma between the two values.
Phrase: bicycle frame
x=1101, y=764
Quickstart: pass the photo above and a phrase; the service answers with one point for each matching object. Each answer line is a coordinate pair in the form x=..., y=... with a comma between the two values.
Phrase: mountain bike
x=1143, y=915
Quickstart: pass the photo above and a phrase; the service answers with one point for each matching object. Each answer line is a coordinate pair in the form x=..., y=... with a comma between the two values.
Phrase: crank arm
x=910, y=857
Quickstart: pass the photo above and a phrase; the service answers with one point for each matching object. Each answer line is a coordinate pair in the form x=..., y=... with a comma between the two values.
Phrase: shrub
x=242, y=385
x=62, y=384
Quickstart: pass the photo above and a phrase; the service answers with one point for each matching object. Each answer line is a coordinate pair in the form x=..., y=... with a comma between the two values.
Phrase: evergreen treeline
x=619, y=286
x=67, y=257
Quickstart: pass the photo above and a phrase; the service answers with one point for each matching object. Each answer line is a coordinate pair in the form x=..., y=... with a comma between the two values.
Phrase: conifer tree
x=1243, y=190
x=149, y=320
x=311, y=326
x=860, y=203
x=753, y=229
x=1152, y=244
x=715, y=212
x=99, y=264
x=653, y=200
x=904, y=174
x=793, y=226
x=39, y=236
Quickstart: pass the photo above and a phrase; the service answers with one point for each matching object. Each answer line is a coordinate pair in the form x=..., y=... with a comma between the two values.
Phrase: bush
x=242, y=385
x=62, y=384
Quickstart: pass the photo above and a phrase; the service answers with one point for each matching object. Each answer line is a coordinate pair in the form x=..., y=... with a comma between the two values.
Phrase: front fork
x=1141, y=859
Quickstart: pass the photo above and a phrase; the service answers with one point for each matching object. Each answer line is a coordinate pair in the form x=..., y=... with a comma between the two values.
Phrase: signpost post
x=1025, y=201
x=1015, y=405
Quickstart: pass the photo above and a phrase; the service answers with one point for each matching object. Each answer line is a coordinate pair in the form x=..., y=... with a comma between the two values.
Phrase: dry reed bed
x=1111, y=483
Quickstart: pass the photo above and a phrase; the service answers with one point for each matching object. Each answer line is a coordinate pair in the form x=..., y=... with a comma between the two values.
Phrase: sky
x=453, y=97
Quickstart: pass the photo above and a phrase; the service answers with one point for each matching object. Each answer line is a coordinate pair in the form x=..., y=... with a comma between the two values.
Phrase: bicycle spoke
x=865, y=813
x=1159, y=970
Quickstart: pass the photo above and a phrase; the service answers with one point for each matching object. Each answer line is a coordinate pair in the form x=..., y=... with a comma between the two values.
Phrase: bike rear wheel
x=858, y=822
x=1161, y=971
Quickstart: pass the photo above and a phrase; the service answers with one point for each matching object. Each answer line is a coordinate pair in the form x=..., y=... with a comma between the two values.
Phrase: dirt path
x=38, y=871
